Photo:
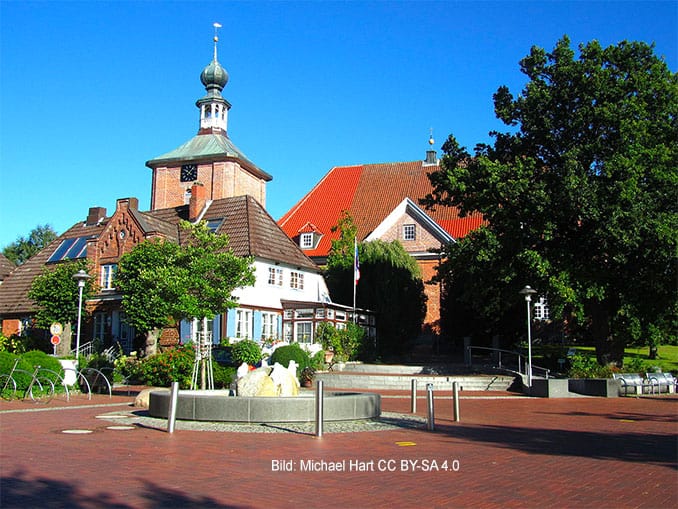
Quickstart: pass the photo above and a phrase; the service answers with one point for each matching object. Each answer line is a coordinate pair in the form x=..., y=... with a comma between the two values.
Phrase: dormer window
x=306, y=241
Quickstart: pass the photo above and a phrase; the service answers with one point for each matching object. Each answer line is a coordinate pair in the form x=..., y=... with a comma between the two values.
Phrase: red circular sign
x=56, y=339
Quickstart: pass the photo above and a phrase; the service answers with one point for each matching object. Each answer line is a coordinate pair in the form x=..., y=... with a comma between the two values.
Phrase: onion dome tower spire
x=213, y=107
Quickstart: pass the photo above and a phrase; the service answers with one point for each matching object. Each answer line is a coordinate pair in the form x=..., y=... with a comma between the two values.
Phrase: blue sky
x=89, y=91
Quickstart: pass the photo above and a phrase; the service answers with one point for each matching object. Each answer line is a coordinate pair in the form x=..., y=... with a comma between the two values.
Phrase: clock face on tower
x=189, y=173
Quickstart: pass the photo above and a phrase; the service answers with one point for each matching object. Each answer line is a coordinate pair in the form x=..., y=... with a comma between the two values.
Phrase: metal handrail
x=522, y=363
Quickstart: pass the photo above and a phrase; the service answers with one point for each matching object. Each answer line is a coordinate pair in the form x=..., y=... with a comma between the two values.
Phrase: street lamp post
x=81, y=277
x=528, y=292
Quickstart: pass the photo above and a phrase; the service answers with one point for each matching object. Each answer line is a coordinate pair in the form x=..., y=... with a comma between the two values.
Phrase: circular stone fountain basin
x=219, y=406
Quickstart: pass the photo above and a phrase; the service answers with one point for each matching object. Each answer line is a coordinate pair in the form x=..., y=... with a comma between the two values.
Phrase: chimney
x=197, y=202
x=127, y=203
x=95, y=215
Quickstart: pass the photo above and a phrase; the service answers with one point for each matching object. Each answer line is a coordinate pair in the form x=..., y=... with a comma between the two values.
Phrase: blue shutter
x=185, y=331
x=256, y=317
x=230, y=324
x=216, y=330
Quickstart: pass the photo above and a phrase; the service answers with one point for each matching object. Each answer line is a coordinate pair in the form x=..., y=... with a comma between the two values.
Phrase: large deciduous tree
x=56, y=297
x=580, y=197
x=162, y=281
x=24, y=247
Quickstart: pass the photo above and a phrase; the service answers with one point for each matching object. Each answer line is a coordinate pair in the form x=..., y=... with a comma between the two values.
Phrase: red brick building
x=383, y=200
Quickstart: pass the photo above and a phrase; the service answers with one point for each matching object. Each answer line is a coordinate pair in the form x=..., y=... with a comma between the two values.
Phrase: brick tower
x=210, y=157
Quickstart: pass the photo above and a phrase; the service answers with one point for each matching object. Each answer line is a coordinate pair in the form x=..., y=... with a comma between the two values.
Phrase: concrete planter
x=70, y=376
x=549, y=388
x=603, y=387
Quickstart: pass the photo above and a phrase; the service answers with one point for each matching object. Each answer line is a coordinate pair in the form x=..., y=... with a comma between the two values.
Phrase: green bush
x=12, y=344
x=128, y=369
x=246, y=351
x=317, y=362
x=345, y=343
x=223, y=375
x=585, y=366
x=174, y=365
x=284, y=354
x=22, y=379
x=36, y=358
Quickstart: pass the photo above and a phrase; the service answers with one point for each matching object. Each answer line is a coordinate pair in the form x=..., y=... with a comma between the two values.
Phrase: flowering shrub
x=175, y=365
x=11, y=344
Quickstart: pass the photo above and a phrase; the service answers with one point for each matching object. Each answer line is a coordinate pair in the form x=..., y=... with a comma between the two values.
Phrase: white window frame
x=540, y=310
x=108, y=272
x=306, y=241
x=287, y=332
x=269, y=325
x=275, y=276
x=243, y=323
x=410, y=231
x=297, y=280
x=302, y=329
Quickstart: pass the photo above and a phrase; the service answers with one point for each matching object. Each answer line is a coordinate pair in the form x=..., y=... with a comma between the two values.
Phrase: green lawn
x=667, y=357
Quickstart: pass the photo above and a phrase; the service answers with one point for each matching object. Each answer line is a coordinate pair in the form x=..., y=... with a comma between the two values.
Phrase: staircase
x=399, y=378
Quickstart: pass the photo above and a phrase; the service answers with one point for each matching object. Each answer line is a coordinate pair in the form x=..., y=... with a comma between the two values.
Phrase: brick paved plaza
x=505, y=452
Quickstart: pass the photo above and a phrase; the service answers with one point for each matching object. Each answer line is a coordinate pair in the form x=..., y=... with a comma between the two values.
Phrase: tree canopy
x=580, y=197
x=24, y=247
x=56, y=296
x=162, y=281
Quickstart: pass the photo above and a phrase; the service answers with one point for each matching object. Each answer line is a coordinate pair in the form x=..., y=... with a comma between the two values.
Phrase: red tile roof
x=369, y=193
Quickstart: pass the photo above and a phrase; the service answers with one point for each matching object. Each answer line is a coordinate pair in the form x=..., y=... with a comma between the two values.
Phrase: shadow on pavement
x=17, y=490
x=654, y=449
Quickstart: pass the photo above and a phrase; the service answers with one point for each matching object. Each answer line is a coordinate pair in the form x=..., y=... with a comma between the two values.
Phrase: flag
x=356, y=261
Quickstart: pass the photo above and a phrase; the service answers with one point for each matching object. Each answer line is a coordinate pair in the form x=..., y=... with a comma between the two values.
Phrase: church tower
x=209, y=158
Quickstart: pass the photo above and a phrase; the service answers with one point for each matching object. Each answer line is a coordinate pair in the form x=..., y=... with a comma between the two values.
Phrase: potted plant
x=306, y=376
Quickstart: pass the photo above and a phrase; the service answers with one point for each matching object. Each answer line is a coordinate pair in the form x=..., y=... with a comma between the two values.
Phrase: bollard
x=172, y=412
x=455, y=398
x=429, y=398
x=413, y=405
x=319, y=408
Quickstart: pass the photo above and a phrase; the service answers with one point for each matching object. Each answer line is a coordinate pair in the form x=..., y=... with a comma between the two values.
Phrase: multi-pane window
x=541, y=309
x=304, y=332
x=269, y=322
x=297, y=280
x=243, y=323
x=409, y=232
x=275, y=276
x=306, y=241
x=287, y=332
x=108, y=275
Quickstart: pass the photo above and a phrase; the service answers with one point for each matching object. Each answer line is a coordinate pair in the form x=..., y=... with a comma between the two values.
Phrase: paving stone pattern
x=505, y=452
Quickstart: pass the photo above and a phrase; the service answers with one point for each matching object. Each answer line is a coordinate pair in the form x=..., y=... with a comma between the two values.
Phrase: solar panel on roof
x=214, y=224
x=70, y=249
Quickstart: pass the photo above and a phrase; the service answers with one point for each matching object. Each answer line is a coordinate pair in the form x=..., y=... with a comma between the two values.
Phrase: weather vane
x=216, y=26
x=431, y=141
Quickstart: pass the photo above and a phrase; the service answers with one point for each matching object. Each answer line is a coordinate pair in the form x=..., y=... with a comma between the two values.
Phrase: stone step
x=403, y=381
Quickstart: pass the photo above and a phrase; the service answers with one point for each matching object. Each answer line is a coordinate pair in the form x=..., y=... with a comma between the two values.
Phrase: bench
x=635, y=382
x=663, y=380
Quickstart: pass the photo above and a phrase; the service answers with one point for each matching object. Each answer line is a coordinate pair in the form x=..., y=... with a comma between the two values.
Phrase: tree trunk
x=151, y=346
x=653, y=352
x=64, y=348
x=609, y=350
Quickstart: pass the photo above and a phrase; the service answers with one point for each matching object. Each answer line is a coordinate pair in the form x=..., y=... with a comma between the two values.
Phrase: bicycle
x=40, y=389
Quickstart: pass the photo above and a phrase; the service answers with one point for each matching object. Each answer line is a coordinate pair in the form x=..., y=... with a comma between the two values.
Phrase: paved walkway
x=505, y=452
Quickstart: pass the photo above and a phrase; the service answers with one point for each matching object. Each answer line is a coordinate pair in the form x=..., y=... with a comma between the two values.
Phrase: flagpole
x=356, y=273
